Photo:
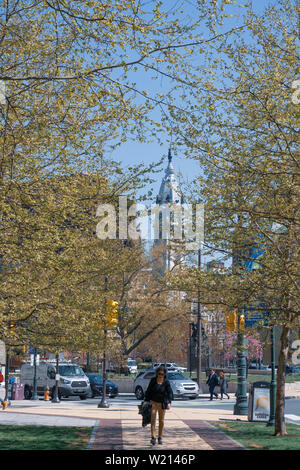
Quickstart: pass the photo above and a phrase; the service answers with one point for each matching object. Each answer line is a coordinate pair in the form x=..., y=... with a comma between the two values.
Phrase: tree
x=68, y=94
x=254, y=346
x=243, y=130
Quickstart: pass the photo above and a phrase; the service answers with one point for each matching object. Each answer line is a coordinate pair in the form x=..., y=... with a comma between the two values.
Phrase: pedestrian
x=212, y=382
x=223, y=385
x=159, y=393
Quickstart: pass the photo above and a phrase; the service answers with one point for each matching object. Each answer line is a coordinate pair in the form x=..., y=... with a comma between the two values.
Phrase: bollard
x=46, y=394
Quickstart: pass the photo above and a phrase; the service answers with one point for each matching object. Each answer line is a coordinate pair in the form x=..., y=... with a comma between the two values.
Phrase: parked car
x=72, y=379
x=289, y=369
x=254, y=365
x=171, y=366
x=132, y=366
x=182, y=387
x=96, y=383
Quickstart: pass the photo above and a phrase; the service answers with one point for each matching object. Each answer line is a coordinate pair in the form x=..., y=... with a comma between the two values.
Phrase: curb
x=92, y=439
x=228, y=437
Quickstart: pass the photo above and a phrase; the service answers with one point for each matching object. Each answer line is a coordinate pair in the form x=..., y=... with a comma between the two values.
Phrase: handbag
x=145, y=410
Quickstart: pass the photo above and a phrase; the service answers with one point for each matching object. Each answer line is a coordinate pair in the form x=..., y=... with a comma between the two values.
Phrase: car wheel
x=27, y=393
x=139, y=393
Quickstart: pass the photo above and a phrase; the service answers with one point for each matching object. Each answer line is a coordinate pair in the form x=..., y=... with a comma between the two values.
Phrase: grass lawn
x=257, y=436
x=44, y=437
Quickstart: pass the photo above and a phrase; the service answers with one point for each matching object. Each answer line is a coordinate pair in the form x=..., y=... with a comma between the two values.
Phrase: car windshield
x=96, y=379
x=131, y=363
x=176, y=376
x=70, y=371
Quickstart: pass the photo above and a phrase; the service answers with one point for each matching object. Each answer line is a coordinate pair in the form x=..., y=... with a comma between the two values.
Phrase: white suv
x=170, y=366
x=182, y=387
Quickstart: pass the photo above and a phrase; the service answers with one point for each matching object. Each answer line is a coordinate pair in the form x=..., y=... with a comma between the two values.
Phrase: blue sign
x=251, y=319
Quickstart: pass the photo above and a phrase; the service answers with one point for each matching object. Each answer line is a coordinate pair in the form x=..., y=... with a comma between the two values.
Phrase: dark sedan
x=96, y=383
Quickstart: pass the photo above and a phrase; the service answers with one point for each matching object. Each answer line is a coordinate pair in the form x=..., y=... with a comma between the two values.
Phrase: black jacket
x=223, y=384
x=166, y=389
x=212, y=380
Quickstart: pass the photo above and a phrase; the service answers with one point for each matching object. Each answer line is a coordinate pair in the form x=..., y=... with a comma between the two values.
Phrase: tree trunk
x=280, y=428
x=7, y=374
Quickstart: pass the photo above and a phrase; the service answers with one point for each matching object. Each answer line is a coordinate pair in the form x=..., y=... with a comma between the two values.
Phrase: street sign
x=252, y=317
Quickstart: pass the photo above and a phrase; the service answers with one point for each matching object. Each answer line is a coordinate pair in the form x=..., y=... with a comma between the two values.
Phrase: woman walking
x=223, y=385
x=159, y=393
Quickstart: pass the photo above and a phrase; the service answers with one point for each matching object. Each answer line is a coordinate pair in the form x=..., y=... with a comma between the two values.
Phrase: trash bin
x=17, y=392
x=259, y=402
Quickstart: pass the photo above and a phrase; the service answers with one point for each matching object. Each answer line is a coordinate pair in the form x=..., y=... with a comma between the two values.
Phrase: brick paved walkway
x=128, y=434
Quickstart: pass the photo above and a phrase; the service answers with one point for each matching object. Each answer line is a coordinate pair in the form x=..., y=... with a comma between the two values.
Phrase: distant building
x=168, y=198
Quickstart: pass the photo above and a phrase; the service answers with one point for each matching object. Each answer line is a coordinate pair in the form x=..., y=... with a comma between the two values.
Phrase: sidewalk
x=120, y=427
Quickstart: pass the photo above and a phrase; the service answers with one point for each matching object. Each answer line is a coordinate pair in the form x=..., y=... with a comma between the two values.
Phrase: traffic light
x=242, y=322
x=11, y=326
x=231, y=321
x=112, y=308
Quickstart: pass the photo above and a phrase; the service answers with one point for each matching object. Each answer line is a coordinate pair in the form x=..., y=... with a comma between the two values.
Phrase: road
x=292, y=408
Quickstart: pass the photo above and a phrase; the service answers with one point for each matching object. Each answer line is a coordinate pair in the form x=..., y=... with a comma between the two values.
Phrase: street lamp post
x=271, y=421
x=55, y=398
x=241, y=405
x=104, y=402
x=35, y=395
x=190, y=347
x=199, y=333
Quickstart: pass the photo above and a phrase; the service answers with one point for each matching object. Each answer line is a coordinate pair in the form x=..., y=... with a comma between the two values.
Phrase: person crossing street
x=212, y=382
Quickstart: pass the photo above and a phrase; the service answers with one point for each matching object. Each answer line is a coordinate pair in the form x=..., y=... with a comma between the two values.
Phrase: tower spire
x=170, y=155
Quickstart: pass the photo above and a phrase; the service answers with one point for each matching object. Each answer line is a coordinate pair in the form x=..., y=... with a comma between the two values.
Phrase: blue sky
x=134, y=152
